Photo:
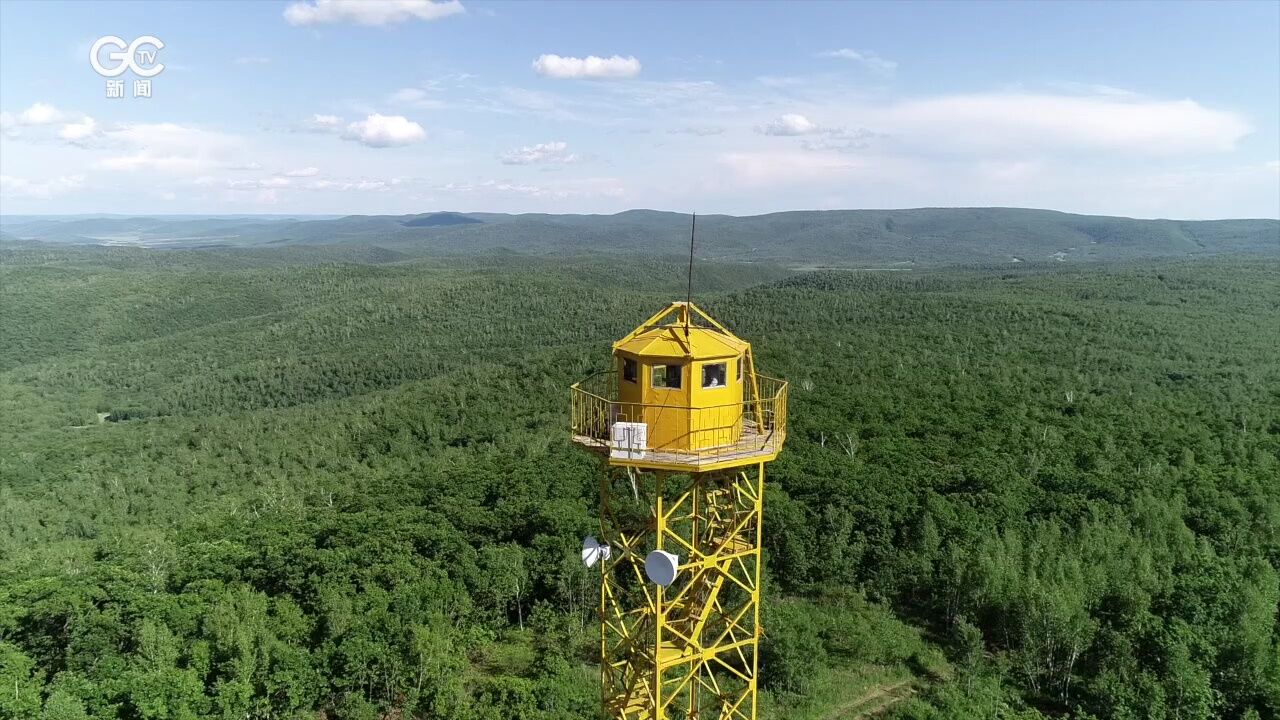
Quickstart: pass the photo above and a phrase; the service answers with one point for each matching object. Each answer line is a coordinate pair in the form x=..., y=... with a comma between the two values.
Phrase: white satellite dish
x=593, y=551
x=661, y=567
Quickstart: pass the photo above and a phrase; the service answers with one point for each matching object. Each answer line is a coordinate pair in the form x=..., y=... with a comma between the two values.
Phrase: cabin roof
x=681, y=338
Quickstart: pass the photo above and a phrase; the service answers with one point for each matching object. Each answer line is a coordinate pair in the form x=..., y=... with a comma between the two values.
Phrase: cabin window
x=713, y=375
x=739, y=377
x=667, y=376
x=630, y=370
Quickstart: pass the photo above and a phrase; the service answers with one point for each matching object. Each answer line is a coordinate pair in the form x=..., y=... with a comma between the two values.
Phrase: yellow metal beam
x=690, y=650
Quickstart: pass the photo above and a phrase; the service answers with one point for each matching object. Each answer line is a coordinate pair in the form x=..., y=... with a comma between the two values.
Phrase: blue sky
x=1139, y=109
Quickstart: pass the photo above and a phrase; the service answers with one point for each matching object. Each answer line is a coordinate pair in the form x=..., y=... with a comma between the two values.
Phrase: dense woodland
x=306, y=483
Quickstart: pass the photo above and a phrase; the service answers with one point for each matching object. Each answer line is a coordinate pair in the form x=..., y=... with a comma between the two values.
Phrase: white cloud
x=583, y=188
x=528, y=99
x=41, y=114
x=39, y=189
x=865, y=58
x=683, y=96
x=170, y=148
x=1071, y=147
x=790, y=124
x=77, y=133
x=699, y=130
x=319, y=123
x=148, y=161
x=1095, y=89
x=504, y=186
x=360, y=185
x=840, y=140
x=1008, y=171
x=368, y=12
x=552, y=152
x=986, y=123
x=409, y=95
x=270, y=183
x=776, y=168
x=415, y=97
x=367, y=185
x=996, y=125
x=591, y=67
x=385, y=131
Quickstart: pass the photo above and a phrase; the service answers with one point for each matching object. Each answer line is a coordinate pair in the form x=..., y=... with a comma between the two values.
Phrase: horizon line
x=105, y=215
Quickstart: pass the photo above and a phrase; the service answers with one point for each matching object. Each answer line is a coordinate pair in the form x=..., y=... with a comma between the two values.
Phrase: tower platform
x=717, y=437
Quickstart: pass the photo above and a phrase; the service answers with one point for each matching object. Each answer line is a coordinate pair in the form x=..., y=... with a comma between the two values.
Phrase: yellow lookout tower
x=686, y=425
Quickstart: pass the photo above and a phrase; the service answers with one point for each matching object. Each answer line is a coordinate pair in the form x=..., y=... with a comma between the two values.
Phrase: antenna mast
x=689, y=294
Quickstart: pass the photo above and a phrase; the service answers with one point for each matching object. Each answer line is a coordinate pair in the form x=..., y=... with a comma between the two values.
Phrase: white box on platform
x=630, y=440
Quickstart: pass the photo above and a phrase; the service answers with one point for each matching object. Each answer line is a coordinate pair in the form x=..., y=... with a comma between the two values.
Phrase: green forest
x=334, y=483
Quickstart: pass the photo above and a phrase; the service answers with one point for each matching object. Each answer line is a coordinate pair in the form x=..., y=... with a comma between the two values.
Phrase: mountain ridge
x=916, y=236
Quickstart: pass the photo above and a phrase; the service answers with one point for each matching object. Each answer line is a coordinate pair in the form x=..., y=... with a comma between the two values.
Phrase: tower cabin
x=683, y=395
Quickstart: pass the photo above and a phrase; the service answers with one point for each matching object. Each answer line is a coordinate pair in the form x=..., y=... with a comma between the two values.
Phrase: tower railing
x=754, y=425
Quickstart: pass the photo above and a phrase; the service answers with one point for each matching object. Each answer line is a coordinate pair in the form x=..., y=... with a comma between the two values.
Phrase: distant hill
x=443, y=219
x=846, y=238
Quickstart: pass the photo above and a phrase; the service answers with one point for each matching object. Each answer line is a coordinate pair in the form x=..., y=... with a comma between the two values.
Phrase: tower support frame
x=691, y=650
